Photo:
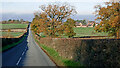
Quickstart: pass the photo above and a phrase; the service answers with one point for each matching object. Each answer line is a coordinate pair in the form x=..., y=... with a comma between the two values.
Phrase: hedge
x=8, y=43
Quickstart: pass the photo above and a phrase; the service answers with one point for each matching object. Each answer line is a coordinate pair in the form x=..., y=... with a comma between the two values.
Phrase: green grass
x=13, y=26
x=58, y=59
x=87, y=31
x=14, y=34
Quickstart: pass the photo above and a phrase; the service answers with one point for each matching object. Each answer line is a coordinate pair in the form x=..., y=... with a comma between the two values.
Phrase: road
x=27, y=53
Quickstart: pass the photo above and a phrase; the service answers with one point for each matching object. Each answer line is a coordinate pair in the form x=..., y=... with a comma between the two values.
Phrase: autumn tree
x=51, y=18
x=109, y=17
x=68, y=27
x=84, y=22
x=9, y=20
x=21, y=20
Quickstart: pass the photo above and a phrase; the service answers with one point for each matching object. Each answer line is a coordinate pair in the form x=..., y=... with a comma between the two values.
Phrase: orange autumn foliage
x=50, y=21
x=109, y=17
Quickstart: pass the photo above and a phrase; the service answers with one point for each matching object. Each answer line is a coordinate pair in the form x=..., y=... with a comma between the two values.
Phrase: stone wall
x=90, y=52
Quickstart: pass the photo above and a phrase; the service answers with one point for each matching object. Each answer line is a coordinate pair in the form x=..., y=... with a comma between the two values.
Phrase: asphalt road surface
x=27, y=53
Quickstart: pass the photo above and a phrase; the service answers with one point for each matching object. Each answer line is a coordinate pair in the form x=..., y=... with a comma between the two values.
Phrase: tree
x=27, y=22
x=9, y=20
x=79, y=20
x=68, y=27
x=84, y=22
x=94, y=25
x=109, y=17
x=13, y=20
x=4, y=22
x=21, y=20
x=16, y=21
x=51, y=19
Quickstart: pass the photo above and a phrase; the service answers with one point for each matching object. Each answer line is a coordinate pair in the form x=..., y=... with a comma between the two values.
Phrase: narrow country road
x=27, y=53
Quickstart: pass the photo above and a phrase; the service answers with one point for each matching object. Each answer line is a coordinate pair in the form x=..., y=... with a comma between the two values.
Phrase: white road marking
x=21, y=56
x=18, y=61
x=23, y=53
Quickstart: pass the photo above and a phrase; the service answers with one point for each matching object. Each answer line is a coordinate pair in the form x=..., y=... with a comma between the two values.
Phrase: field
x=13, y=26
x=13, y=34
x=87, y=31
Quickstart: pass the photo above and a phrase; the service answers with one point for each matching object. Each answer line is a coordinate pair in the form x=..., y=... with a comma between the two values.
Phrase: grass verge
x=59, y=60
x=11, y=45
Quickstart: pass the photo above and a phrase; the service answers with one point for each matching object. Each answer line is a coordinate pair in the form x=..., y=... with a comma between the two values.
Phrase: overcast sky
x=83, y=7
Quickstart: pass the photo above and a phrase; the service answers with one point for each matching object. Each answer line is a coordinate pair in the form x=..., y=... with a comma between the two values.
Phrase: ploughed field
x=12, y=30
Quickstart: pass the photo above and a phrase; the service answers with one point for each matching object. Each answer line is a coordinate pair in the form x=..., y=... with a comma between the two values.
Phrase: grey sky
x=83, y=7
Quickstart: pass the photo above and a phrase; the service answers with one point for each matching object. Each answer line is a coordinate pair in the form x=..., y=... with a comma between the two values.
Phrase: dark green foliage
x=9, y=20
x=11, y=42
x=99, y=53
x=94, y=25
x=82, y=21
